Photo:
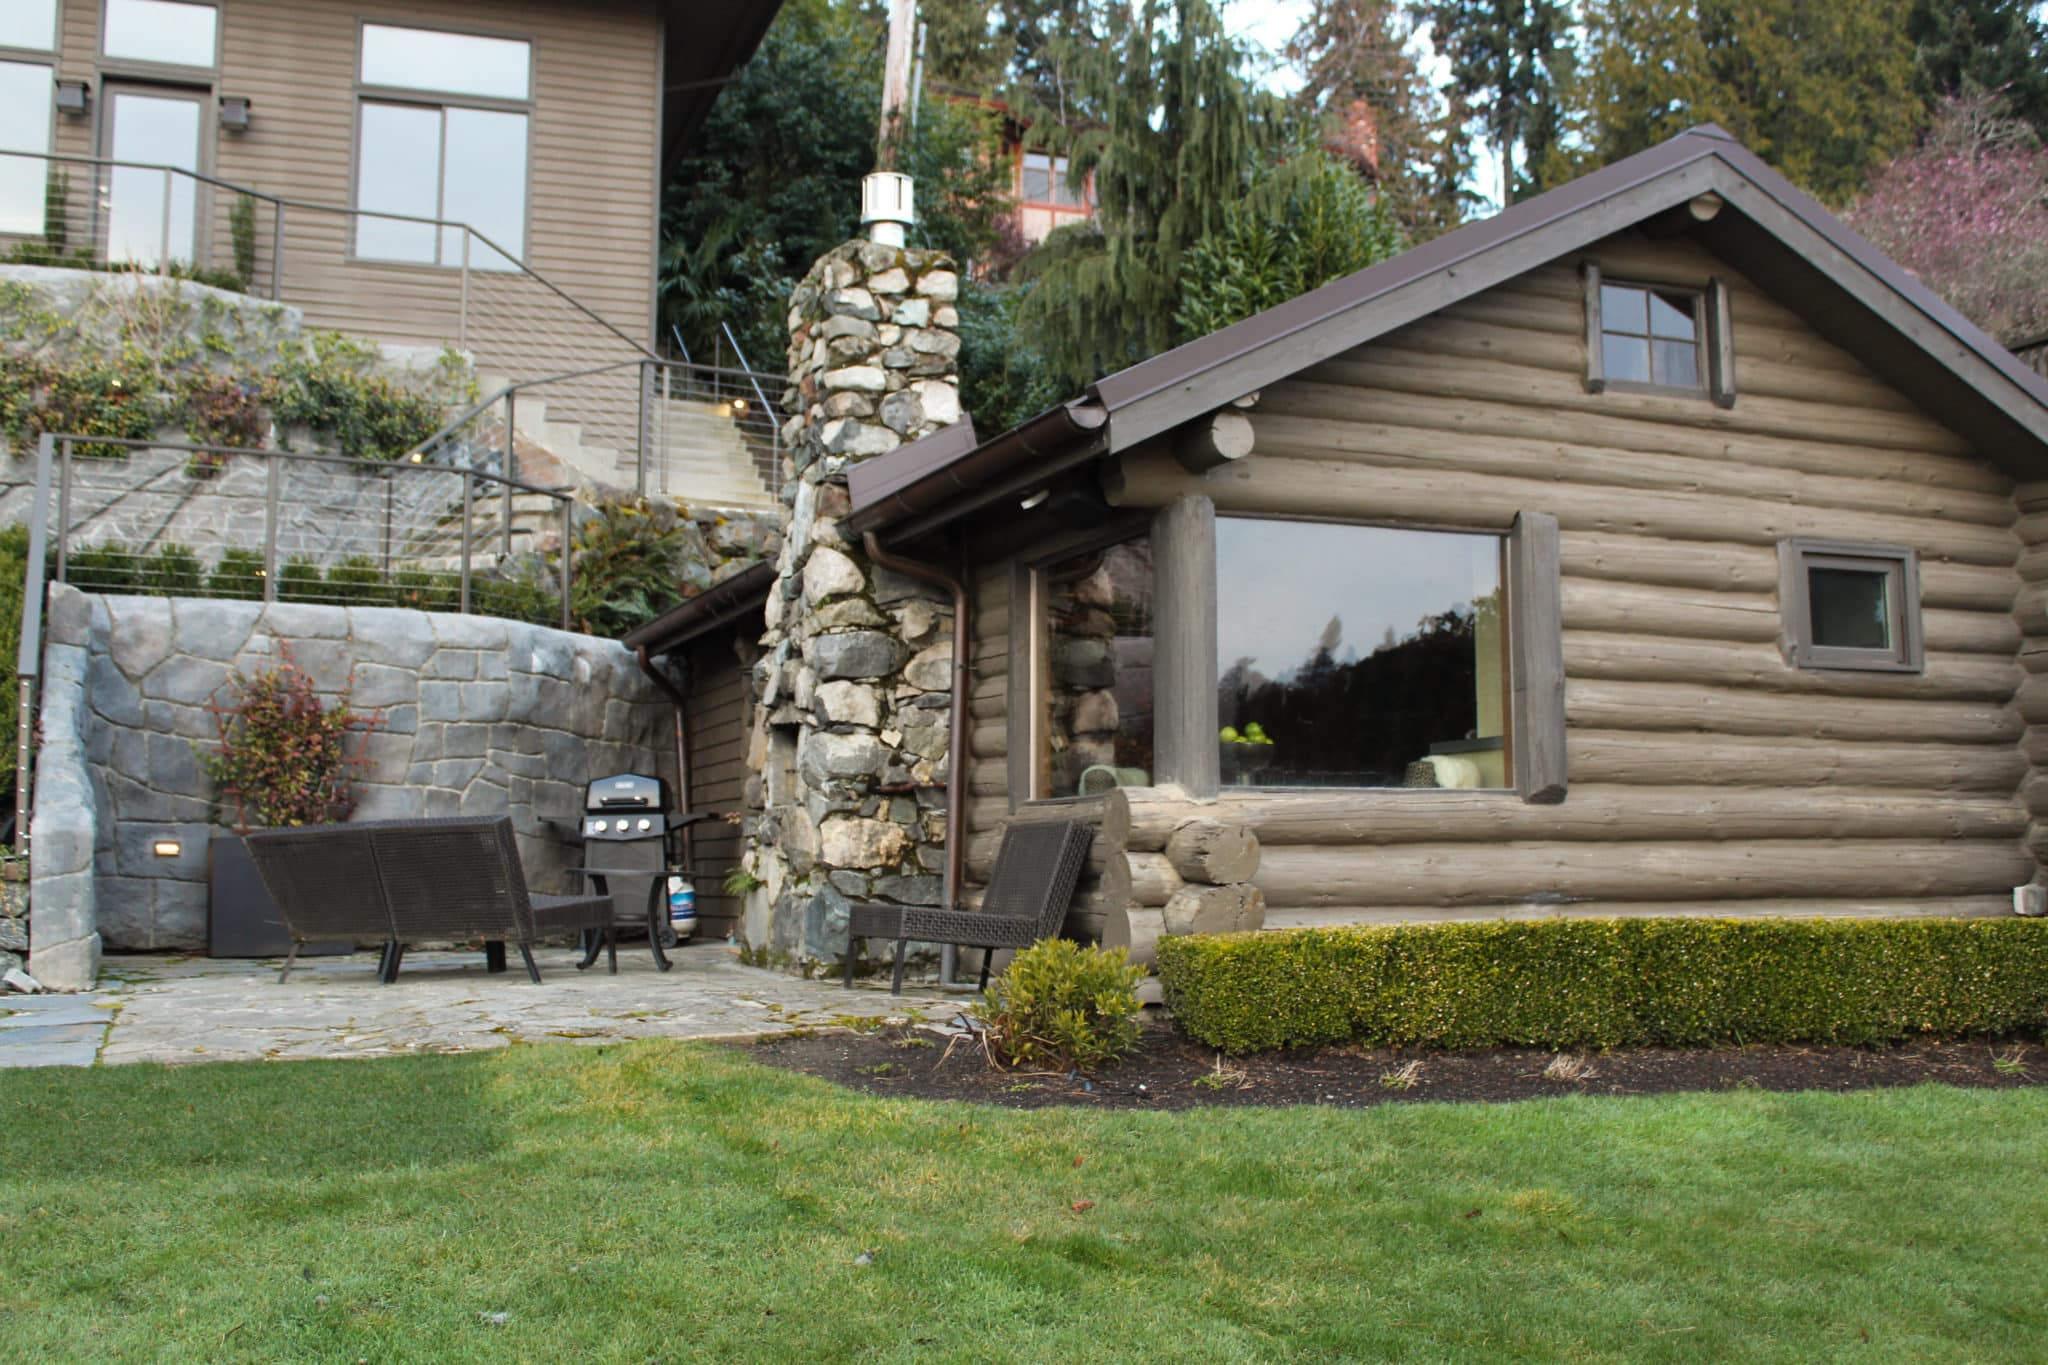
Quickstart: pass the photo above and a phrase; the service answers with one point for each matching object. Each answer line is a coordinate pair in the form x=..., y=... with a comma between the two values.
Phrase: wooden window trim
x=1795, y=606
x=1713, y=338
x=1536, y=717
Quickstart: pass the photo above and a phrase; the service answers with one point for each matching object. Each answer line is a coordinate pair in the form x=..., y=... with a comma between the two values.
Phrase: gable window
x=1658, y=338
x=165, y=32
x=462, y=160
x=1850, y=606
x=1360, y=656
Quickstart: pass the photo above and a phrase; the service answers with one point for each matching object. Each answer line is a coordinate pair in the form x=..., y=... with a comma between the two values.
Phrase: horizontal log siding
x=1707, y=775
x=2030, y=616
x=987, y=767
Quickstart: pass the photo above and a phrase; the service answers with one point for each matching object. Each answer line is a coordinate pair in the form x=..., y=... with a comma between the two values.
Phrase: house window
x=1650, y=335
x=424, y=158
x=1360, y=656
x=26, y=93
x=1658, y=338
x=29, y=24
x=1096, y=671
x=165, y=32
x=1045, y=183
x=1850, y=606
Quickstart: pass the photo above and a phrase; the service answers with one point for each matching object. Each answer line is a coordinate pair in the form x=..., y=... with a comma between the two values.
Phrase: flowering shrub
x=283, y=757
x=1967, y=211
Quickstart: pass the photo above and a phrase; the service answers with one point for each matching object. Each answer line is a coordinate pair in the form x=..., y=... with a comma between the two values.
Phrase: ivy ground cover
x=670, y=1202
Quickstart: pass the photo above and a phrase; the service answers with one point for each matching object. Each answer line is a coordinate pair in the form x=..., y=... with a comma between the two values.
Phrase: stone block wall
x=849, y=749
x=479, y=716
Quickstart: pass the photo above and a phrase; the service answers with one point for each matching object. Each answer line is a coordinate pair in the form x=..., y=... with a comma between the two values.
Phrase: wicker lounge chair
x=405, y=881
x=1028, y=895
x=324, y=880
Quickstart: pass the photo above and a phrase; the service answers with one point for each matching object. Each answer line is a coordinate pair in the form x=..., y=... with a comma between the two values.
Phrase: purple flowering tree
x=1967, y=211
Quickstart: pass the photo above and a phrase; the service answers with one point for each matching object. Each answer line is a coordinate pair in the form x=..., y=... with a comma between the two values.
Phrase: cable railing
x=525, y=333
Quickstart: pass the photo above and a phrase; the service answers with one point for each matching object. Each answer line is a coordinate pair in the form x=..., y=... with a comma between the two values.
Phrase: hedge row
x=1611, y=983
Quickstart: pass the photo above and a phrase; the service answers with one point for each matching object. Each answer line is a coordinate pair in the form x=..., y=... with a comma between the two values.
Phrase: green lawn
x=668, y=1202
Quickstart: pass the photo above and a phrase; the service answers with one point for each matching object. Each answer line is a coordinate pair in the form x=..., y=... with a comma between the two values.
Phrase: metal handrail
x=747, y=368
x=314, y=206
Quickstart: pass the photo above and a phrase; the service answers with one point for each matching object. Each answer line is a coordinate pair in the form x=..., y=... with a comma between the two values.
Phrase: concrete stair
x=701, y=457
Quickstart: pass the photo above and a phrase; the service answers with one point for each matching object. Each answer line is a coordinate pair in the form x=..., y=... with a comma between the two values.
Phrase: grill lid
x=625, y=791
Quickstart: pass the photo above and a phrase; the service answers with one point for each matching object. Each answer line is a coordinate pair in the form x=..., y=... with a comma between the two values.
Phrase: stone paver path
x=166, y=1009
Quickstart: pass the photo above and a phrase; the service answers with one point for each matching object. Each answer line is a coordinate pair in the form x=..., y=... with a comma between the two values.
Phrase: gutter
x=980, y=474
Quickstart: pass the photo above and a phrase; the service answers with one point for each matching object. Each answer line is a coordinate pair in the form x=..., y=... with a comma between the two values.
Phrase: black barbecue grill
x=632, y=841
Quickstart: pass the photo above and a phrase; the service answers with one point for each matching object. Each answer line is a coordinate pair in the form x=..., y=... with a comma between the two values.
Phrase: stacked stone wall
x=850, y=746
x=479, y=716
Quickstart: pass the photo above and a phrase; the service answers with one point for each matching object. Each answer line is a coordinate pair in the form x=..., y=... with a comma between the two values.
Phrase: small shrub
x=104, y=568
x=171, y=572
x=242, y=232
x=629, y=561
x=281, y=756
x=237, y=574
x=328, y=388
x=1601, y=983
x=300, y=580
x=1062, y=1005
x=426, y=591
x=221, y=410
x=13, y=584
x=358, y=581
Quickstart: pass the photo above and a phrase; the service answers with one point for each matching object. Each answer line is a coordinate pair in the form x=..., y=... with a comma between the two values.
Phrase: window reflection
x=1098, y=731
x=1359, y=656
x=463, y=165
x=161, y=31
x=25, y=94
x=30, y=24
x=453, y=63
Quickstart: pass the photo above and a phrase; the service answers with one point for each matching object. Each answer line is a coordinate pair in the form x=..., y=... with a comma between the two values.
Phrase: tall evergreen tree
x=1510, y=63
x=1352, y=50
x=1962, y=47
x=1153, y=100
x=1821, y=89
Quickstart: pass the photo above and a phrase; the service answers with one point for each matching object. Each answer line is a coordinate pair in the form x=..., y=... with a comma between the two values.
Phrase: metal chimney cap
x=886, y=207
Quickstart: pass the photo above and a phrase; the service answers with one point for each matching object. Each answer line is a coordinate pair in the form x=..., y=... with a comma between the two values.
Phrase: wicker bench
x=1036, y=870
x=410, y=881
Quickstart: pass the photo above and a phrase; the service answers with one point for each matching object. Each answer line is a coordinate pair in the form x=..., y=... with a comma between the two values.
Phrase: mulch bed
x=1170, y=1072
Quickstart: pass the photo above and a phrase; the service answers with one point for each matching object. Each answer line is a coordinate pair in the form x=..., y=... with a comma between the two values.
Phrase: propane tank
x=682, y=907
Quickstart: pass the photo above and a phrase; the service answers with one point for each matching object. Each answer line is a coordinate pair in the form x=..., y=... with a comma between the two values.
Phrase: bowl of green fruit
x=1246, y=753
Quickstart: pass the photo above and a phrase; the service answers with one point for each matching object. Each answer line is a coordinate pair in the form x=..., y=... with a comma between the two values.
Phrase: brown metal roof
x=718, y=605
x=1781, y=237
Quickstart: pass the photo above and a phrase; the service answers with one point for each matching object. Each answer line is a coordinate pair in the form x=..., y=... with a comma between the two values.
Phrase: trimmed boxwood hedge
x=1611, y=983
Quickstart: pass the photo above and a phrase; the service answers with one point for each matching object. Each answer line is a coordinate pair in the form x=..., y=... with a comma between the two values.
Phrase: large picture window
x=1360, y=656
x=425, y=158
x=1098, y=671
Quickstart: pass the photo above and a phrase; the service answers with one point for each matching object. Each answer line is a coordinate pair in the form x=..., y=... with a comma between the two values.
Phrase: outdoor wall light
x=73, y=97
x=739, y=405
x=234, y=113
x=167, y=848
x=1036, y=498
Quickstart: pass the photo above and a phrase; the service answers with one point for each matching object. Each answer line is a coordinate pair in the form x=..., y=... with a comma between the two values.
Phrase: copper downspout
x=956, y=728
x=682, y=744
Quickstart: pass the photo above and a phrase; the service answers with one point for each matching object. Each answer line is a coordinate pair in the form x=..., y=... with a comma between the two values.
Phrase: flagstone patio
x=182, y=1009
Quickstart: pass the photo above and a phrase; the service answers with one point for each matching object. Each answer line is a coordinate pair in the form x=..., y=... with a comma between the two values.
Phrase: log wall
x=1706, y=774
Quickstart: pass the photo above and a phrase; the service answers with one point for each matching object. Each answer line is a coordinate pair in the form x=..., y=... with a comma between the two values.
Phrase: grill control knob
x=597, y=826
x=645, y=824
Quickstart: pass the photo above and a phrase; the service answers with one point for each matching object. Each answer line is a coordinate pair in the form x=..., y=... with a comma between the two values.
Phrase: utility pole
x=895, y=82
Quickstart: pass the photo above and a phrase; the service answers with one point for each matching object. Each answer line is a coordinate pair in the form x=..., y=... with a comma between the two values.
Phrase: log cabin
x=1655, y=547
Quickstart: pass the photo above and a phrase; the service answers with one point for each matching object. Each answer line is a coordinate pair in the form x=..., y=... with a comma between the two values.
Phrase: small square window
x=1850, y=606
x=1658, y=338
x=1650, y=336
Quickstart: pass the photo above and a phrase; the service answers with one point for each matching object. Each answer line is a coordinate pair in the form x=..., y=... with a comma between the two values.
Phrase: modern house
x=1654, y=547
x=446, y=173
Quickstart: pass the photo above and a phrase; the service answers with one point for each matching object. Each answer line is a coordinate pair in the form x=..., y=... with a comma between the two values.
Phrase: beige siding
x=592, y=178
x=718, y=720
x=1707, y=775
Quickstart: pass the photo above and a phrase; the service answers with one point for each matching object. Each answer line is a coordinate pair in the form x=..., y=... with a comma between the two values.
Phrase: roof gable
x=1776, y=234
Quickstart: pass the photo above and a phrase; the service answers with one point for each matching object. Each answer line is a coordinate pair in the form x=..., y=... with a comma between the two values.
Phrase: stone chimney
x=853, y=686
